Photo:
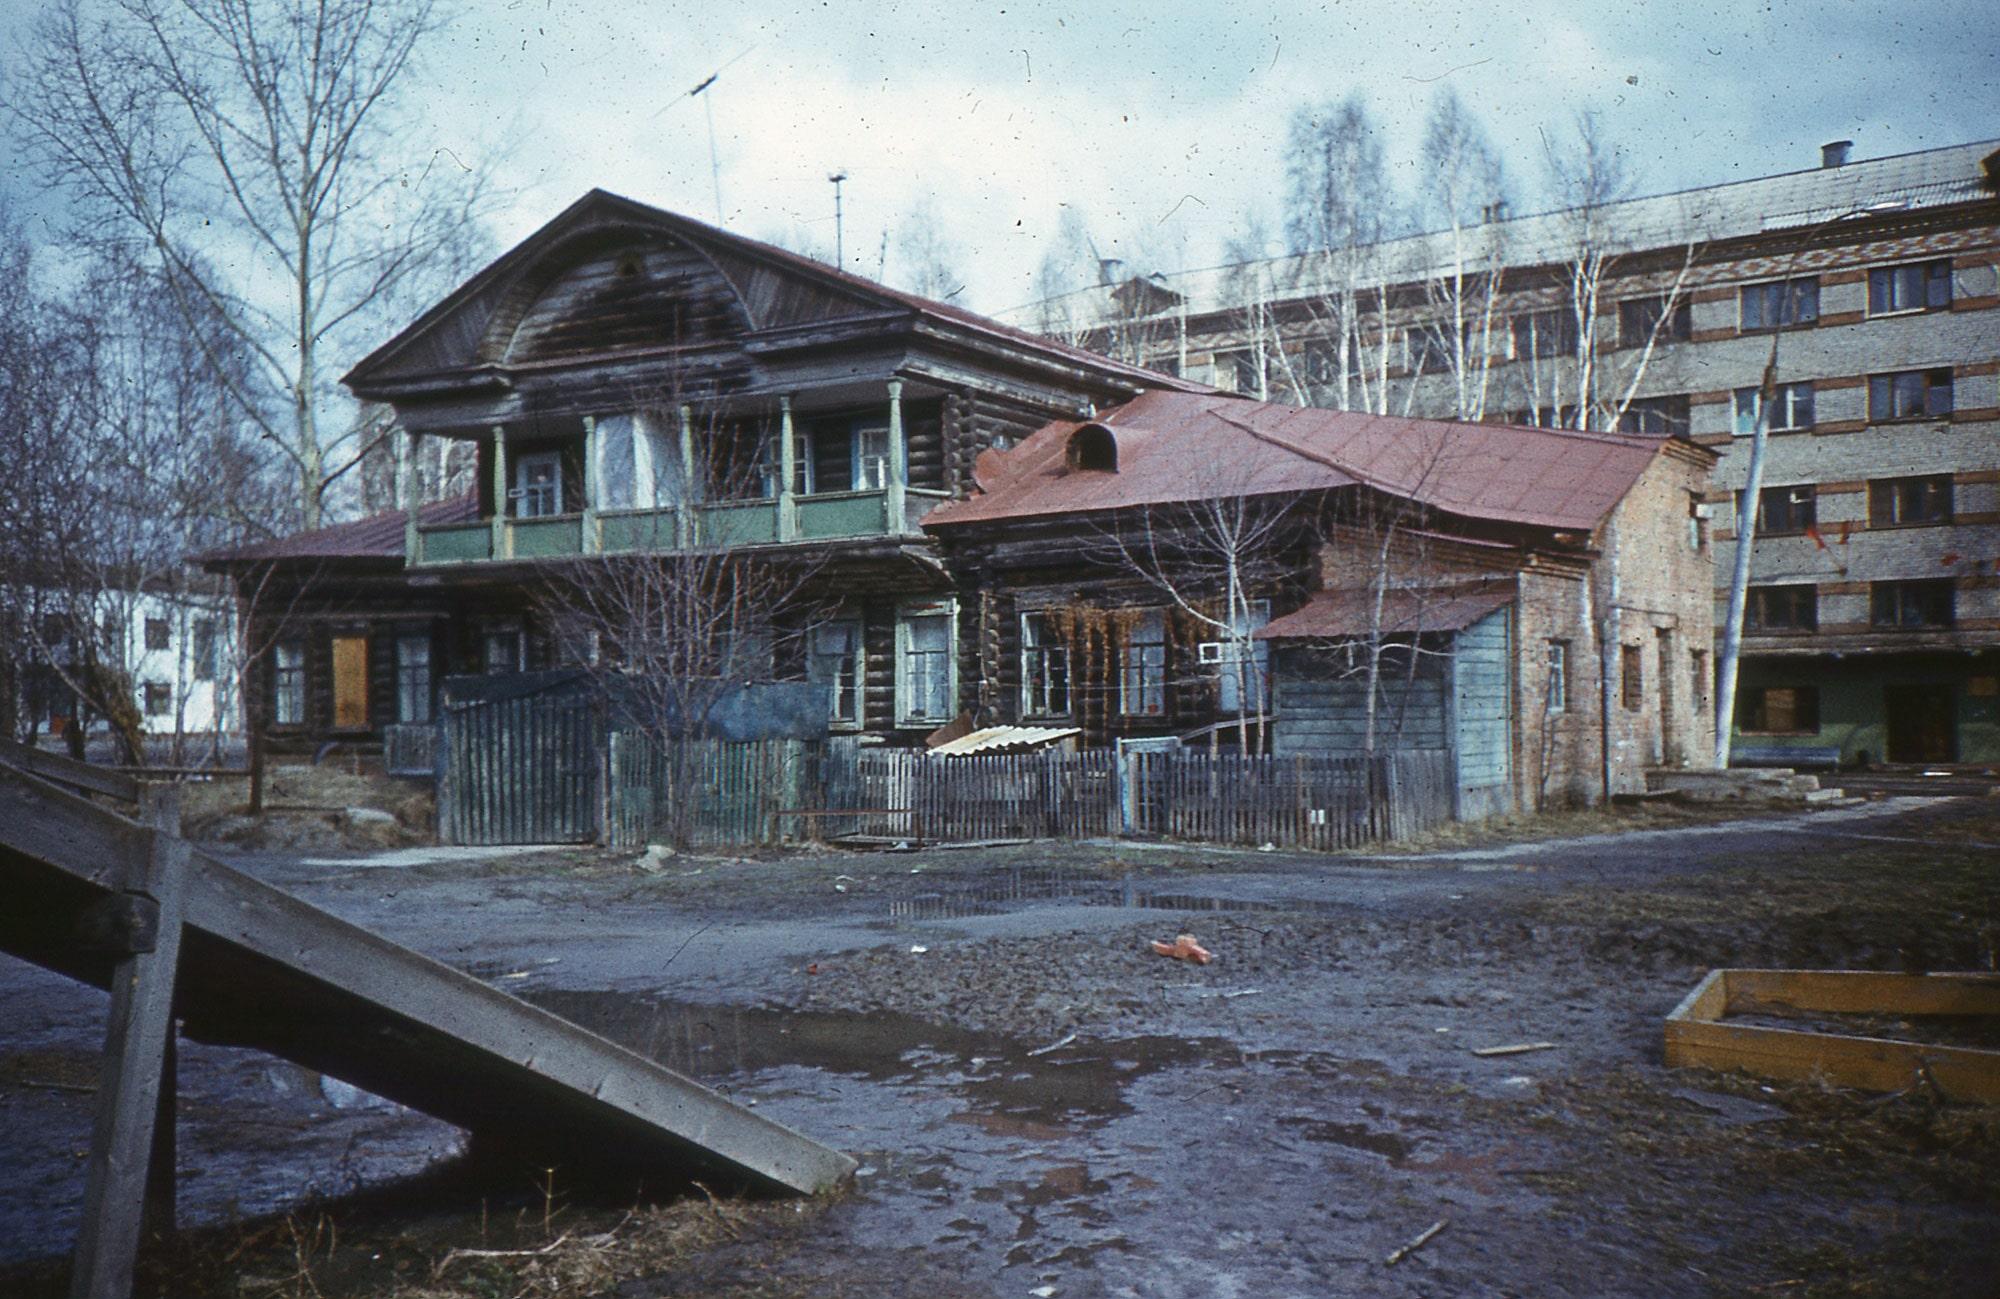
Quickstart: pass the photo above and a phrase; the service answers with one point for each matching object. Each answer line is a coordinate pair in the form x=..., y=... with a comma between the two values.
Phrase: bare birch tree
x=1339, y=209
x=244, y=150
x=1462, y=198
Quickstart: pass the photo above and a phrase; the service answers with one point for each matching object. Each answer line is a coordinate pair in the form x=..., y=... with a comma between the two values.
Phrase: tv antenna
x=708, y=106
x=839, y=252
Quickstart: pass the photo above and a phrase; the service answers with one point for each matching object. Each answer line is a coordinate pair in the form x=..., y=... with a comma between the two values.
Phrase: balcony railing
x=828, y=516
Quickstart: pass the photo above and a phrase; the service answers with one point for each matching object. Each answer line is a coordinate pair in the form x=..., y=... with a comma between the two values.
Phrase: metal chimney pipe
x=1834, y=154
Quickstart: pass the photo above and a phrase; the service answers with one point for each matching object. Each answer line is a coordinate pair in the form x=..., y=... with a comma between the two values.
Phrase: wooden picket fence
x=1291, y=802
x=907, y=794
x=710, y=793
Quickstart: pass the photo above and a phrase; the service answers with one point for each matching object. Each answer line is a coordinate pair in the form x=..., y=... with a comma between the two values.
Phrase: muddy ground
x=1043, y=1107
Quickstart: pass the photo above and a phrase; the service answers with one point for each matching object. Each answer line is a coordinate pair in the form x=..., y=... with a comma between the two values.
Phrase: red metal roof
x=1177, y=447
x=379, y=536
x=1333, y=615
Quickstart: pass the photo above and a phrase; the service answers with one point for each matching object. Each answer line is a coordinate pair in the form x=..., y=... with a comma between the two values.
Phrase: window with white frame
x=288, y=683
x=1142, y=679
x=1791, y=409
x=1044, y=667
x=924, y=662
x=802, y=462
x=871, y=458
x=1242, y=664
x=833, y=659
x=413, y=678
x=538, y=485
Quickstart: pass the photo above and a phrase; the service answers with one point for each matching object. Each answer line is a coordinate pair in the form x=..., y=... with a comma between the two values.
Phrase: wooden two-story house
x=636, y=382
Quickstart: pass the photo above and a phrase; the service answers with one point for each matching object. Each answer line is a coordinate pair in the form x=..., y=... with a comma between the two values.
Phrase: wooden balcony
x=829, y=516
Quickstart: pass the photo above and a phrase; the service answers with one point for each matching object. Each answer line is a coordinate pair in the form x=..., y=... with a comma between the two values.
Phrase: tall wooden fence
x=708, y=793
x=524, y=769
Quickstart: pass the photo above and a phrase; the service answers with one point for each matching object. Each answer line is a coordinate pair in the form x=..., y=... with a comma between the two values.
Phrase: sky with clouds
x=1164, y=121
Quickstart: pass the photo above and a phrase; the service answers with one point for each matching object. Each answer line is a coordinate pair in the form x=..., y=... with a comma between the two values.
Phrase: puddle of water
x=1354, y=1136
x=1008, y=888
x=1009, y=1091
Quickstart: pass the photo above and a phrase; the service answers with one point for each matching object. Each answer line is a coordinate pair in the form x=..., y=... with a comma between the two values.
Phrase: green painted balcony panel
x=738, y=523
x=455, y=544
x=630, y=530
x=547, y=538
x=843, y=514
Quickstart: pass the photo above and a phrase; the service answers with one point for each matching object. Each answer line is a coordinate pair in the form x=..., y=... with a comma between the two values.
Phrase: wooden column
x=788, y=470
x=407, y=461
x=146, y=915
x=591, y=542
x=899, y=461
x=684, y=529
x=503, y=540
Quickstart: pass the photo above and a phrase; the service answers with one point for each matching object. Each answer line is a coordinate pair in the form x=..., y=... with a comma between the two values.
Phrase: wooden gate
x=522, y=767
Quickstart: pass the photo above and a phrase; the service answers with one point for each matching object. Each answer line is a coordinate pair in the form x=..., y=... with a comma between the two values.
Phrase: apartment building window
x=1779, y=304
x=1542, y=417
x=1557, y=696
x=159, y=699
x=1666, y=416
x=1930, y=602
x=1241, y=370
x=1918, y=286
x=1787, y=511
x=1909, y=394
x=1793, y=607
x=202, y=654
x=923, y=655
x=1699, y=679
x=413, y=679
x=1904, y=502
x=1545, y=333
x=1431, y=351
x=1631, y=677
x=834, y=660
x=1044, y=667
x=159, y=635
x=1644, y=320
x=1778, y=710
x=288, y=683
x=1791, y=409
x=1142, y=681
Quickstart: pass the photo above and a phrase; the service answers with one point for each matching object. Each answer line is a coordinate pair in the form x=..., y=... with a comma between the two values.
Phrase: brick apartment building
x=1873, y=619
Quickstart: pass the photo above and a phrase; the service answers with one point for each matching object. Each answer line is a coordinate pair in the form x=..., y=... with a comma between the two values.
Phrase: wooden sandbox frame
x=1698, y=1035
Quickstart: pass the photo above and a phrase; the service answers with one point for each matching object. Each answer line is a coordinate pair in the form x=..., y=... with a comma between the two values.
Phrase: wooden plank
x=262, y=969
x=350, y=683
x=135, y=1042
x=1695, y=1035
x=1863, y=991
x=68, y=771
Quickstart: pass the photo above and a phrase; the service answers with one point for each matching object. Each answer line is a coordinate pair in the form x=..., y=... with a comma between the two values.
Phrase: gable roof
x=1174, y=448
x=379, y=536
x=778, y=290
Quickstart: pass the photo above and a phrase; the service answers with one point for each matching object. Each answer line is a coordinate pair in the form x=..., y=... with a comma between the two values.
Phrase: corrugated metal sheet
x=1181, y=447
x=1333, y=615
x=1005, y=739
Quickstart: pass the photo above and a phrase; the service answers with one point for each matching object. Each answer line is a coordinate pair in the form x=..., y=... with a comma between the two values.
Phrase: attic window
x=1093, y=446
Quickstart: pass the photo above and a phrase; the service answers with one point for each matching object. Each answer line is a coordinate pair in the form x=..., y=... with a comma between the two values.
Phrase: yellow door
x=350, y=683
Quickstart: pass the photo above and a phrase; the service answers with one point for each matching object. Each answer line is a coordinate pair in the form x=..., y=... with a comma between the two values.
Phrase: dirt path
x=1042, y=1105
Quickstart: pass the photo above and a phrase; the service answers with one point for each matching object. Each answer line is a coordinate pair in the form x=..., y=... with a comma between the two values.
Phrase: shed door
x=350, y=683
